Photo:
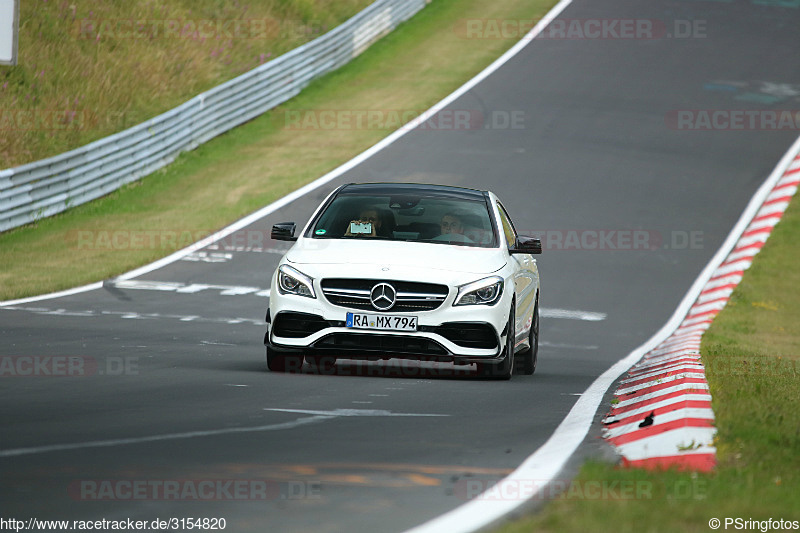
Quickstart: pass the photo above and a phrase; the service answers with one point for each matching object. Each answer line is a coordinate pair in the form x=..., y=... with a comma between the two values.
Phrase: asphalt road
x=179, y=395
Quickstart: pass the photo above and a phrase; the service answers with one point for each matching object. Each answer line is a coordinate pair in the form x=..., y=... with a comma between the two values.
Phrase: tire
x=526, y=360
x=283, y=362
x=323, y=364
x=505, y=368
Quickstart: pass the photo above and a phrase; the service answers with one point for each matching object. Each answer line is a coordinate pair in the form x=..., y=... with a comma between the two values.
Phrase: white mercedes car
x=412, y=271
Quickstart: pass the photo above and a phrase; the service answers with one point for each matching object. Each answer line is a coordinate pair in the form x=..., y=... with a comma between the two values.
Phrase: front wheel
x=526, y=360
x=505, y=368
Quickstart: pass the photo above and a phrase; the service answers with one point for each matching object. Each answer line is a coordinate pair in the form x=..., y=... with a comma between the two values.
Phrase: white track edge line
x=546, y=462
x=333, y=174
x=60, y=294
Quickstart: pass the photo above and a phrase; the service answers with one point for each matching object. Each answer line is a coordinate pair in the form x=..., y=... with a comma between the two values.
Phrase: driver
x=451, y=223
x=368, y=215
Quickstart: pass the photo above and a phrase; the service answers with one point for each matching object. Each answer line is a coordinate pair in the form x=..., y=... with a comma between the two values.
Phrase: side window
x=508, y=227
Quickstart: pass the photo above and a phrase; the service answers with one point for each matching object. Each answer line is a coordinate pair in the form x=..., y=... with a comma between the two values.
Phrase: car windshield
x=407, y=217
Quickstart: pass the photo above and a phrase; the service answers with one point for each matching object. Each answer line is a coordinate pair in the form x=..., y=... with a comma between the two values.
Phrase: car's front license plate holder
x=381, y=322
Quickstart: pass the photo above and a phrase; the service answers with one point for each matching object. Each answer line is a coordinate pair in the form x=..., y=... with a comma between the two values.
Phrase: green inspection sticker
x=320, y=232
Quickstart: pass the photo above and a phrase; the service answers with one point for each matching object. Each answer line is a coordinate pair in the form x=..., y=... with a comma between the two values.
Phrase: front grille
x=411, y=296
x=468, y=334
x=298, y=325
x=384, y=344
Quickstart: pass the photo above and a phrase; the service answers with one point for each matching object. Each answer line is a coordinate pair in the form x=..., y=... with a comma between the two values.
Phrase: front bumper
x=459, y=342
x=461, y=334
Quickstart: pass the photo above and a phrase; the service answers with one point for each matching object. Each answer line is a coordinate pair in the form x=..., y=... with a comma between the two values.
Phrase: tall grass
x=89, y=69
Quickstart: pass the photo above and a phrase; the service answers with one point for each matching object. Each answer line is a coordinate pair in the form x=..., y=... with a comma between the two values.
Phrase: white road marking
x=250, y=249
x=133, y=315
x=14, y=452
x=571, y=314
x=64, y=312
x=568, y=346
x=348, y=412
x=60, y=294
x=206, y=257
x=188, y=288
x=146, y=285
x=317, y=416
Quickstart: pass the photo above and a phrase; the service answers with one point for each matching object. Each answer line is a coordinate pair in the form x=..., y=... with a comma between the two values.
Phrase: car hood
x=390, y=254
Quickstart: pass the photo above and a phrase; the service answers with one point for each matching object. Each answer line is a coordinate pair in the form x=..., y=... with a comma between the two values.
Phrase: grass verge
x=410, y=69
x=89, y=69
x=752, y=358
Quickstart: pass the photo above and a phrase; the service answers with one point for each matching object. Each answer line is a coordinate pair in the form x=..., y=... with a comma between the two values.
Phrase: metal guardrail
x=43, y=188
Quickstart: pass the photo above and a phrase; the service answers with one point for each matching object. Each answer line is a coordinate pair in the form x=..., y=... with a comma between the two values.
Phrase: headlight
x=292, y=281
x=484, y=292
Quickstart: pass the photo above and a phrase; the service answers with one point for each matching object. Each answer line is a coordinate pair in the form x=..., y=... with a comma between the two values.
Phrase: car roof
x=413, y=188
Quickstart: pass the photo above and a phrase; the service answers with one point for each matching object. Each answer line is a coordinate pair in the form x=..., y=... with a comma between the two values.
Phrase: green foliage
x=90, y=69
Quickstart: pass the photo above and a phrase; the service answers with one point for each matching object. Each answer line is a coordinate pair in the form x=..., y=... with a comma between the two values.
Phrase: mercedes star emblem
x=383, y=296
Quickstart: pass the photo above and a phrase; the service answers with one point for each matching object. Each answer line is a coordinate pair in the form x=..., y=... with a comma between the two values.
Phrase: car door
x=526, y=277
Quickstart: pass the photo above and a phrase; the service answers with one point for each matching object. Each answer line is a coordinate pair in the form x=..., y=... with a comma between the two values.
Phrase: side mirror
x=284, y=231
x=527, y=245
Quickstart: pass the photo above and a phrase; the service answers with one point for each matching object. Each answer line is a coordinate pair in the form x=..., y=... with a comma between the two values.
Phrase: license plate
x=384, y=322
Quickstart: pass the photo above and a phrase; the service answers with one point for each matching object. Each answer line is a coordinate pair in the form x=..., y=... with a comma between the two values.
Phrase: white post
x=9, y=28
